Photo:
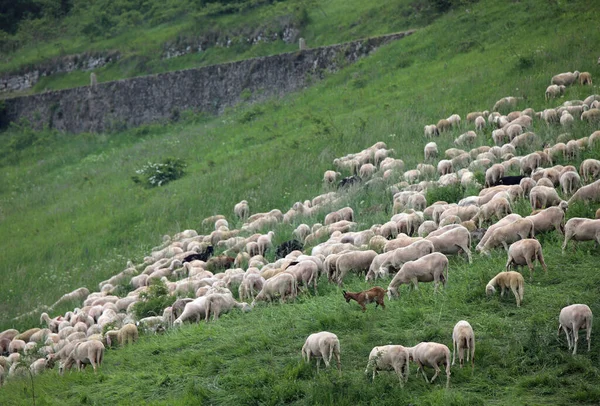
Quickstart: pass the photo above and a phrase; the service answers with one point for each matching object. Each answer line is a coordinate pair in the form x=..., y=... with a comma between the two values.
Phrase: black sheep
x=202, y=256
x=510, y=180
x=285, y=248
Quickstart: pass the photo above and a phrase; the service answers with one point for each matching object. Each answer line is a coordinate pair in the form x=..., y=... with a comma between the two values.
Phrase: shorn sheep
x=506, y=280
x=431, y=355
x=463, y=337
x=581, y=229
x=323, y=345
x=375, y=294
x=525, y=252
x=387, y=358
x=571, y=320
x=87, y=352
x=426, y=269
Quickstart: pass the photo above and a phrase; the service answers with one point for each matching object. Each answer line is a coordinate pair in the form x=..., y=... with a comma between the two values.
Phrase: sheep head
x=490, y=290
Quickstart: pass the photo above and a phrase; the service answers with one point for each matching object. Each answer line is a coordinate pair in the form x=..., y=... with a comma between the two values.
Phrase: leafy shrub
x=154, y=301
x=450, y=194
x=157, y=174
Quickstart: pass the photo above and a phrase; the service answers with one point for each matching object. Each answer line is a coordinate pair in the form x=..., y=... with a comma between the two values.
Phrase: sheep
x=283, y=284
x=590, y=169
x=425, y=269
x=84, y=352
x=375, y=294
x=507, y=234
x=589, y=193
x=322, y=345
x=554, y=91
x=399, y=256
x=454, y=120
x=196, y=309
x=432, y=355
x=585, y=78
x=479, y=123
x=467, y=138
x=390, y=357
x=242, y=210
x=367, y=171
x=430, y=131
x=581, y=229
x=566, y=119
x=26, y=335
x=569, y=182
x=430, y=151
x=543, y=196
x=16, y=345
x=218, y=303
x=498, y=206
x=128, y=334
x=443, y=125
x=505, y=102
x=305, y=273
x=463, y=337
x=525, y=252
x=549, y=219
x=452, y=242
x=494, y=174
x=593, y=139
x=573, y=318
x=505, y=280
x=592, y=115
x=250, y=286
x=357, y=261
x=565, y=79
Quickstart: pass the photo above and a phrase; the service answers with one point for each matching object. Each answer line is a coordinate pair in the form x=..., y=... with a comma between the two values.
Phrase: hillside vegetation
x=70, y=216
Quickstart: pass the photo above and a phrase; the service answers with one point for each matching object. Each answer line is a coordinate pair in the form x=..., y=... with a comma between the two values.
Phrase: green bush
x=157, y=174
x=450, y=194
x=154, y=301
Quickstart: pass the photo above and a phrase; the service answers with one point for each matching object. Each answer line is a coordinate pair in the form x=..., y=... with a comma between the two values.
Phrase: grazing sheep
x=498, y=206
x=250, y=286
x=400, y=256
x=494, y=174
x=592, y=115
x=85, y=352
x=242, y=210
x=218, y=303
x=566, y=119
x=565, y=79
x=306, y=272
x=554, y=91
x=330, y=178
x=589, y=193
x=581, y=229
x=463, y=337
x=426, y=269
x=499, y=136
x=196, y=309
x=505, y=280
x=128, y=334
x=590, y=169
x=432, y=355
x=480, y=123
x=543, y=196
x=573, y=318
x=357, y=261
x=585, y=78
x=525, y=252
x=282, y=284
x=323, y=345
x=444, y=125
x=505, y=103
x=549, y=219
x=467, y=138
x=569, y=182
x=375, y=294
x=430, y=151
x=452, y=242
x=387, y=358
x=507, y=234
x=431, y=130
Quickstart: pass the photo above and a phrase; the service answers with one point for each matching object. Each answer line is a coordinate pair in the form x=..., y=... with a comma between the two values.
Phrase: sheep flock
x=410, y=248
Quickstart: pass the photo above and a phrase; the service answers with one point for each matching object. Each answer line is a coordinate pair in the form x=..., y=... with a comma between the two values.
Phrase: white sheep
x=463, y=337
x=431, y=355
x=590, y=169
x=565, y=79
x=589, y=193
x=430, y=131
x=242, y=210
x=454, y=120
x=541, y=197
x=323, y=345
x=425, y=269
x=357, y=261
x=390, y=357
x=396, y=258
x=480, y=123
x=467, y=138
x=282, y=284
x=499, y=206
x=549, y=219
x=493, y=174
x=525, y=252
x=554, y=91
x=453, y=241
x=430, y=151
x=566, y=119
x=573, y=318
x=569, y=182
x=505, y=280
x=219, y=303
x=91, y=352
x=506, y=234
x=581, y=229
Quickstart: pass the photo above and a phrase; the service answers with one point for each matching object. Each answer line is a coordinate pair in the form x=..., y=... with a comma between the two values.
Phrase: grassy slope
x=71, y=216
x=332, y=22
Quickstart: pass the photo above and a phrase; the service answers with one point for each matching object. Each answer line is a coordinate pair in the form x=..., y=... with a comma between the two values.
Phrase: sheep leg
x=567, y=238
x=437, y=372
x=530, y=266
x=398, y=369
x=588, y=329
x=540, y=258
x=461, y=355
x=318, y=364
x=508, y=263
x=516, y=293
x=575, y=337
x=453, y=351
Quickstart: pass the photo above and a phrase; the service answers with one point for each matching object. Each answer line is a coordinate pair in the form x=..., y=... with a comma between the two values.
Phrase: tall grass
x=71, y=216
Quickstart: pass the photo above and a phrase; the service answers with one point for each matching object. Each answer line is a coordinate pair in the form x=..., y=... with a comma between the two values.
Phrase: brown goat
x=375, y=294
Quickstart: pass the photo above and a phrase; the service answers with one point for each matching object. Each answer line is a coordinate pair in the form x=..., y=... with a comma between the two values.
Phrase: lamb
x=589, y=193
x=479, y=123
x=452, y=242
x=265, y=242
x=463, y=337
x=525, y=252
x=357, y=261
x=250, y=286
x=569, y=182
x=431, y=151
x=375, y=294
x=432, y=355
x=543, y=196
x=91, y=352
x=573, y=318
x=242, y=210
x=585, y=78
x=581, y=229
x=218, y=303
x=445, y=167
x=330, y=178
x=390, y=357
x=431, y=130
x=444, y=125
x=590, y=169
x=549, y=219
x=283, y=284
x=454, y=120
x=505, y=280
x=128, y=334
x=426, y=269
x=323, y=345
x=565, y=79
x=507, y=234
x=554, y=91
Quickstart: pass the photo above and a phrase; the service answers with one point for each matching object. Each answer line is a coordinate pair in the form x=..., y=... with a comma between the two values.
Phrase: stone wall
x=131, y=102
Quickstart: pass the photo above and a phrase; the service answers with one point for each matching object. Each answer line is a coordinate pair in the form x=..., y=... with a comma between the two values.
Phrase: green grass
x=71, y=216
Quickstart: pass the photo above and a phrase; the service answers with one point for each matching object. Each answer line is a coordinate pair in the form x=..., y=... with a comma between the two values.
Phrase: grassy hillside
x=142, y=44
x=71, y=216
